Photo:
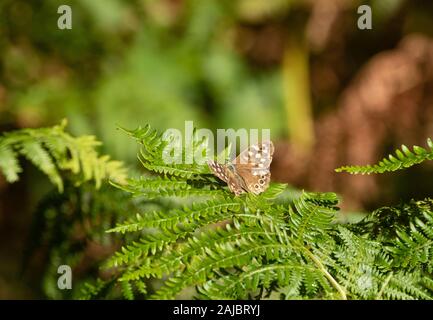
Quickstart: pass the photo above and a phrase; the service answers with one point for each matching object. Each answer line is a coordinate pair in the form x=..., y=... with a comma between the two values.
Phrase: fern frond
x=52, y=150
x=259, y=246
x=414, y=246
x=313, y=214
x=402, y=159
x=406, y=286
x=154, y=149
x=158, y=187
x=175, y=218
x=195, y=246
x=274, y=191
x=8, y=163
x=406, y=230
x=235, y=286
x=355, y=265
x=127, y=290
x=95, y=290
x=34, y=152
x=225, y=257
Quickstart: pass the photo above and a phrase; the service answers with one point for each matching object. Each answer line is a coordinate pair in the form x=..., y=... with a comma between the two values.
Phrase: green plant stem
x=331, y=279
x=385, y=283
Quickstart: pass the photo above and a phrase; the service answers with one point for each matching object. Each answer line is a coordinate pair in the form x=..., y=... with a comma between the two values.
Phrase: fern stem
x=331, y=279
x=385, y=283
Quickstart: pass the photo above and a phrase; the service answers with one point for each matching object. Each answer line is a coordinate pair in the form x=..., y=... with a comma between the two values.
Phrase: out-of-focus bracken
x=390, y=102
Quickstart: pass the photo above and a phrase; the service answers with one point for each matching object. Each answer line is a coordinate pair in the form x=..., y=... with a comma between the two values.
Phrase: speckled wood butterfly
x=249, y=172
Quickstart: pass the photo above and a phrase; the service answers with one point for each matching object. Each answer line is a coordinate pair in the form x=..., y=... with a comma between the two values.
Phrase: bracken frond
x=52, y=151
x=402, y=159
x=280, y=243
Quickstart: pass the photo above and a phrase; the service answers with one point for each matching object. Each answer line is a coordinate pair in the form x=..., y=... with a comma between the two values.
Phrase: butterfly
x=249, y=172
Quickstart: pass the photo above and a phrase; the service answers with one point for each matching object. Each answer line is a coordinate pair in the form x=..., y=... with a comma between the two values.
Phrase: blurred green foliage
x=218, y=63
x=133, y=62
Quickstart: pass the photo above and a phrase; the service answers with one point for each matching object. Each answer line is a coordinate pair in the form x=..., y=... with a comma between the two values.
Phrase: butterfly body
x=249, y=172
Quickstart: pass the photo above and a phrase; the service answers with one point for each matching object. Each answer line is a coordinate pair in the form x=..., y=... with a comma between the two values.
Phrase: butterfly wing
x=249, y=171
x=227, y=174
x=253, y=166
x=260, y=154
x=219, y=170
